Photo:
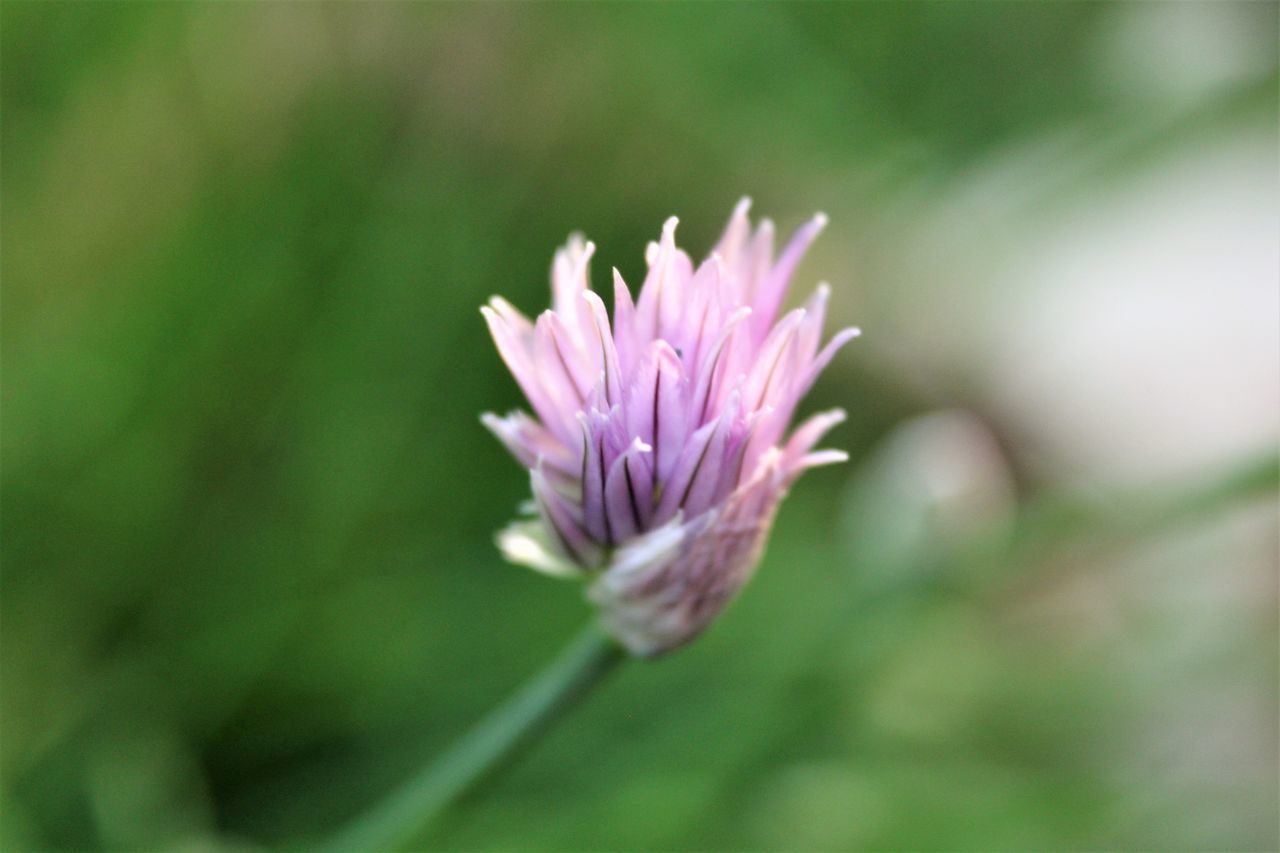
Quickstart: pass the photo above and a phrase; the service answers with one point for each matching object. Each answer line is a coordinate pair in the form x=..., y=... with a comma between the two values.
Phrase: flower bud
x=659, y=451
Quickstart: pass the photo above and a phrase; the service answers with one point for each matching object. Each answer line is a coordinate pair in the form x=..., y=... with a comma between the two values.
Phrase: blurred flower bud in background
x=937, y=489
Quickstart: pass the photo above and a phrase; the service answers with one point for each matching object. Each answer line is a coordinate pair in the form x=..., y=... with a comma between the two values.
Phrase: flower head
x=658, y=453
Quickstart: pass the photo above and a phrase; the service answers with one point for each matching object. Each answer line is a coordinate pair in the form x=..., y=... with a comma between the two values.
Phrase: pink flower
x=657, y=454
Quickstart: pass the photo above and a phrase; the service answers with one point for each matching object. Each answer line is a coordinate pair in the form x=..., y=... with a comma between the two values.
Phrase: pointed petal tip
x=669, y=227
x=824, y=457
x=743, y=206
x=845, y=335
x=501, y=307
x=820, y=220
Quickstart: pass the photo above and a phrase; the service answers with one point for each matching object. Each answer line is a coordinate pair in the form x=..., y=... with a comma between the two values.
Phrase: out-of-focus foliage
x=248, y=576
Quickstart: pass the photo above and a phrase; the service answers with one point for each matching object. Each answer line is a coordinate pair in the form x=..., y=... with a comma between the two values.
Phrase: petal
x=754, y=271
x=767, y=299
x=811, y=432
x=699, y=472
x=624, y=327
x=664, y=588
x=525, y=543
x=715, y=365
x=770, y=372
x=528, y=441
x=515, y=347
x=627, y=493
x=702, y=317
x=823, y=358
x=570, y=276
x=661, y=294
x=656, y=405
x=603, y=343
x=594, y=468
x=561, y=520
x=565, y=372
x=810, y=334
x=733, y=243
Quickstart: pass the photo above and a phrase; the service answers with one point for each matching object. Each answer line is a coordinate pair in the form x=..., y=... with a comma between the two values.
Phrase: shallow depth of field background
x=248, y=574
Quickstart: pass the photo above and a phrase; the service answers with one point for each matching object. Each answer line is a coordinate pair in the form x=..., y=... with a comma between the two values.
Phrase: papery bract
x=659, y=454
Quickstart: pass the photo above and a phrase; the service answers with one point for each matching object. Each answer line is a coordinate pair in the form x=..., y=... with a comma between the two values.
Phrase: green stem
x=407, y=812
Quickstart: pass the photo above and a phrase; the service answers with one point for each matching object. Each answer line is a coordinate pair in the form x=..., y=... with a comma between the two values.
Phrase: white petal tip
x=820, y=220
x=824, y=457
x=743, y=205
x=525, y=544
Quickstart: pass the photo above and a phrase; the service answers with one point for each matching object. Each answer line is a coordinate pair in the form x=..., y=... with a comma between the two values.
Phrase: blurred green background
x=249, y=582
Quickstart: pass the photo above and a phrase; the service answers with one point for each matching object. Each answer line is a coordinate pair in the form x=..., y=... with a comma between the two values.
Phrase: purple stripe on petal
x=559, y=364
x=608, y=354
x=593, y=473
x=769, y=368
x=675, y=485
x=701, y=319
x=560, y=519
x=700, y=489
x=623, y=497
x=715, y=365
x=654, y=406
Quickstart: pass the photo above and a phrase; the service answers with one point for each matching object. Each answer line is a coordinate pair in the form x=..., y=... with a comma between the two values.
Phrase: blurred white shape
x=936, y=487
x=1171, y=54
x=1142, y=336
